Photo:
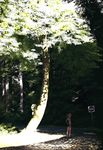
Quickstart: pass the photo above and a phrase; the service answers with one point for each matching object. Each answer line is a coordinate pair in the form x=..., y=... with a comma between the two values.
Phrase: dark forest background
x=74, y=84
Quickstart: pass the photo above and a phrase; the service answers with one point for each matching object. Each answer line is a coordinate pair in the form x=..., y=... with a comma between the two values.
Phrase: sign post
x=91, y=110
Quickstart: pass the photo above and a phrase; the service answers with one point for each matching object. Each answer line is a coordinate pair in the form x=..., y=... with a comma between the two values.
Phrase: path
x=53, y=138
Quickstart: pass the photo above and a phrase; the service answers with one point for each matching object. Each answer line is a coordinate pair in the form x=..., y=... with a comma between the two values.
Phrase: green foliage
x=71, y=74
x=24, y=33
x=7, y=128
x=93, y=12
x=59, y=23
x=73, y=56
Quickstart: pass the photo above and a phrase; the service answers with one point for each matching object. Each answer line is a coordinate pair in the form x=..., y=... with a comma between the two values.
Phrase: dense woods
x=74, y=51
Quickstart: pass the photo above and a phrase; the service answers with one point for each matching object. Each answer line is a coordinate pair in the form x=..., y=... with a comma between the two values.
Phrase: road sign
x=91, y=108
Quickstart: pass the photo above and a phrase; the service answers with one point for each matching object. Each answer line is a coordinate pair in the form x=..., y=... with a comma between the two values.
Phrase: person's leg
x=69, y=131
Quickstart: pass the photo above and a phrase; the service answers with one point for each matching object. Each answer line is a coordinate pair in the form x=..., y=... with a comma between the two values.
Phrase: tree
x=93, y=12
x=50, y=24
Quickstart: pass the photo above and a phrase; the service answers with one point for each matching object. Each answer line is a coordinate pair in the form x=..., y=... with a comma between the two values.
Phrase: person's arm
x=67, y=121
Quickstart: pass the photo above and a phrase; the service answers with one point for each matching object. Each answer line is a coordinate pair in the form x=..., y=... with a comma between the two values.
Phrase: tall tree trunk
x=3, y=87
x=38, y=111
x=21, y=91
x=5, y=92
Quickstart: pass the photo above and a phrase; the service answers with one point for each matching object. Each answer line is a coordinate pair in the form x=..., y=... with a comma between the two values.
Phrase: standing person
x=68, y=122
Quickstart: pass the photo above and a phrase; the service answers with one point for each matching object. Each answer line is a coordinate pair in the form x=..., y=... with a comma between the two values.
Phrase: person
x=68, y=122
x=33, y=108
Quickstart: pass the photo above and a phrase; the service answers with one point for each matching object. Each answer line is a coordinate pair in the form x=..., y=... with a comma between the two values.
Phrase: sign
x=91, y=109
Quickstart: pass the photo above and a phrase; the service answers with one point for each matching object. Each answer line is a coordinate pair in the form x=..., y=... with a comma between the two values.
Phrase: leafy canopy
x=49, y=22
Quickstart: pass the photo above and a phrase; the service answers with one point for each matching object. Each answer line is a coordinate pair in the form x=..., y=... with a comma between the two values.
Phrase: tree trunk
x=5, y=92
x=3, y=87
x=21, y=91
x=38, y=110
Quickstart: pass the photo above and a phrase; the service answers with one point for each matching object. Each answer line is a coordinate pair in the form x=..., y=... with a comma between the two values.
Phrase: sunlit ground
x=50, y=138
x=26, y=138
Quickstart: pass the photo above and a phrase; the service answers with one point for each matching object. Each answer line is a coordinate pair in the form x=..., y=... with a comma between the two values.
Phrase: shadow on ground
x=81, y=140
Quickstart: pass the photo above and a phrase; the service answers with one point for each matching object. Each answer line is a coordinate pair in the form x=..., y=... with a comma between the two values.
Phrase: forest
x=48, y=52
